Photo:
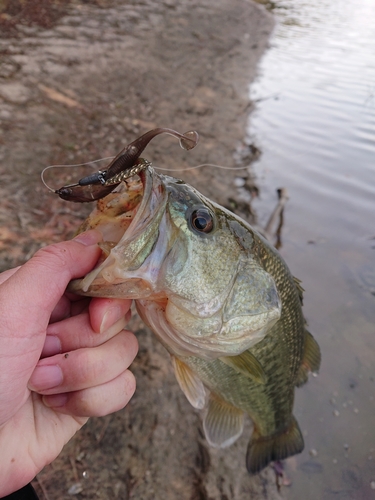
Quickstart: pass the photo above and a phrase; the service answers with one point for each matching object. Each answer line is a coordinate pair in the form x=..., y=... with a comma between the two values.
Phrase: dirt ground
x=79, y=81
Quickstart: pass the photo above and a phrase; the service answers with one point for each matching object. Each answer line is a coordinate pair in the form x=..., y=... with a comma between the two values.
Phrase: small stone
x=356, y=410
x=75, y=489
x=313, y=452
x=5, y=114
x=239, y=181
x=336, y=413
x=85, y=474
x=346, y=446
x=14, y=92
x=372, y=484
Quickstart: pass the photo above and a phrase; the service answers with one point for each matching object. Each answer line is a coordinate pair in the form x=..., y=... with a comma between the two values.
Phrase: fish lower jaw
x=212, y=337
x=182, y=343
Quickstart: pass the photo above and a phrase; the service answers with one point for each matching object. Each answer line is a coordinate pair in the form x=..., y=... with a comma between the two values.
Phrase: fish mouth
x=130, y=220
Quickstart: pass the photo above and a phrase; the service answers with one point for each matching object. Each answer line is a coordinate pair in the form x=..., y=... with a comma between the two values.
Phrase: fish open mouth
x=129, y=219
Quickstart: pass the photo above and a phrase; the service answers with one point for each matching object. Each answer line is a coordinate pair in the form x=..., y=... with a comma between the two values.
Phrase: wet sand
x=81, y=89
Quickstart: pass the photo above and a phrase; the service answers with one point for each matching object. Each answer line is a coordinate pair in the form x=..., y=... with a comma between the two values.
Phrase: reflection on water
x=315, y=125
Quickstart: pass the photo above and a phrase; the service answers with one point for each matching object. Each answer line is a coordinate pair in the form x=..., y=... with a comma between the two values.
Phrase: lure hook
x=124, y=165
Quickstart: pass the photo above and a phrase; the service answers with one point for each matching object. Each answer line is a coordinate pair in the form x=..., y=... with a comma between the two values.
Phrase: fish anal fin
x=265, y=449
x=222, y=423
x=310, y=361
x=246, y=364
x=190, y=384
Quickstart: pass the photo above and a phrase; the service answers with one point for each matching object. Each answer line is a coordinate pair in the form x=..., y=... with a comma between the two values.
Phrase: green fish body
x=219, y=298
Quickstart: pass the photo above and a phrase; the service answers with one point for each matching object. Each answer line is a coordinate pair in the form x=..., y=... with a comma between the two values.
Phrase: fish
x=220, y=299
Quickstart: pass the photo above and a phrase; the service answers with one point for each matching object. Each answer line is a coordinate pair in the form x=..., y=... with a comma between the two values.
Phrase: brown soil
x=78, y=81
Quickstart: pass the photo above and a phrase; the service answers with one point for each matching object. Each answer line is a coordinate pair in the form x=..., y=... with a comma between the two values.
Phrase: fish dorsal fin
x=300, y=290
x=190, y=384
x=264, y=449
x=223, y=423
x=310, y=360
x=246, y=364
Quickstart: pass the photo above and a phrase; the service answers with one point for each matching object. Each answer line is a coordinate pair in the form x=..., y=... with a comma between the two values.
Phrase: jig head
x=124, y=165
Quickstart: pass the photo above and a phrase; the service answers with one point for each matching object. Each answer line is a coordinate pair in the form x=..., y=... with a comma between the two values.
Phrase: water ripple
x=315, y=126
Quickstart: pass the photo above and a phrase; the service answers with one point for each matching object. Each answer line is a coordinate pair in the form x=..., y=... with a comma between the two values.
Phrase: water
x=315, y=125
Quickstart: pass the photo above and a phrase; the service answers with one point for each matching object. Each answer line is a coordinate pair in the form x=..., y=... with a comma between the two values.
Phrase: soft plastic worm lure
x=124, y=165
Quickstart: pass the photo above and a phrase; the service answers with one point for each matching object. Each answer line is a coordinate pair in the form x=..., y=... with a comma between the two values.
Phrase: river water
x=315, y=126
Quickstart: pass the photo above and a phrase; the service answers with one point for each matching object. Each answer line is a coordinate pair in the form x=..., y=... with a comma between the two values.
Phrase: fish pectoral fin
x=246, y=364
x=190, y=384
x=264, y=449
x=310, y=360
x=223, y=423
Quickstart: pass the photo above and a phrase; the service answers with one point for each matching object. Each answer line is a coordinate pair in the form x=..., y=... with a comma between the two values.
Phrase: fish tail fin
x=310, y=361
x=264, y=449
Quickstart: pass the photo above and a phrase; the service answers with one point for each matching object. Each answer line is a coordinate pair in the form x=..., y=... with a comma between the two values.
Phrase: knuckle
x=88, y=366
x=126, y=349
x=130, y=345
x=56, y=251
x=55, y=258
x=87, y=406
x=130, y=384
x=106, y=399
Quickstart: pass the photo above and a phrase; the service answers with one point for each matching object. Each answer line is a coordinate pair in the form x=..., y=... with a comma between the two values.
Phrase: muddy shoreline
x=79, y=89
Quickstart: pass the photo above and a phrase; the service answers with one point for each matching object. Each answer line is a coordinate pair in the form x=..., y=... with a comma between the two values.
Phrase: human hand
x=63, y=358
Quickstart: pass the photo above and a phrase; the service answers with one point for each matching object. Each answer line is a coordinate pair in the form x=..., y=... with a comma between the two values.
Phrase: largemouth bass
x=219, y=298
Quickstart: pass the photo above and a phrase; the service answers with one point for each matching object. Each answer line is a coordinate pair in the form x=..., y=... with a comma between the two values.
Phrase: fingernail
x=52, y=346
x=55, y=400
x=115, y=328
x=45, y=377
x=89, y=238
x=113, y=314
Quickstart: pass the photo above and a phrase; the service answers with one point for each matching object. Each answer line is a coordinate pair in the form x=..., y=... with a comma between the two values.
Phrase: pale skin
x=63, y=358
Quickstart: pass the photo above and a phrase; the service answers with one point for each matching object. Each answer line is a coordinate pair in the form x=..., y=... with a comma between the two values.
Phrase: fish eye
x=202, y=220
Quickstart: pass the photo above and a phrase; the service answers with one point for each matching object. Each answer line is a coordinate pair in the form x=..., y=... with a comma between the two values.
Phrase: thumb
x=33, y=291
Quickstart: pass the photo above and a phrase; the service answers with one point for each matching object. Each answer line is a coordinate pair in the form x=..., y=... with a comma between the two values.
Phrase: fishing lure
x=126, y=164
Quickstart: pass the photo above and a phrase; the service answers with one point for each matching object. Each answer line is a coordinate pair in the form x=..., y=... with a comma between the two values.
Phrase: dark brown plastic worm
x=97, y=185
